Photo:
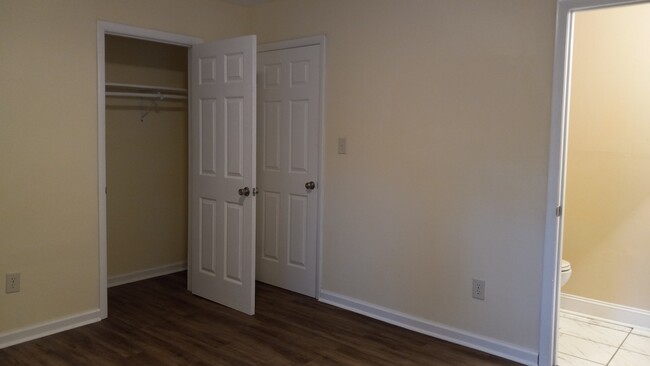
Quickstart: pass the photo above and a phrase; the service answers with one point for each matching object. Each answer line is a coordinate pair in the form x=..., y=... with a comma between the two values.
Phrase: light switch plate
x=342, y=145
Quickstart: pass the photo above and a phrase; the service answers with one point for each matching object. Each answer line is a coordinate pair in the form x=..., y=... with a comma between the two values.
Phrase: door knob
x=310, y=185
x=244, y=191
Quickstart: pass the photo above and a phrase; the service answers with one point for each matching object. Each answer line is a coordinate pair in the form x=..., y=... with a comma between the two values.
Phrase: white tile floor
x=584, y=341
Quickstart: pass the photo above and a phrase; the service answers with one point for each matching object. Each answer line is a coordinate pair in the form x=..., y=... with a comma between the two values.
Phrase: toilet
x=565, y=273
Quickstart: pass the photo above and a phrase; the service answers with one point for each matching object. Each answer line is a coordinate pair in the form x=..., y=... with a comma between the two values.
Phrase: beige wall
x=446, y=110
x=607, y=231
x=445, y=105
x=146, y=161
x=48, y=141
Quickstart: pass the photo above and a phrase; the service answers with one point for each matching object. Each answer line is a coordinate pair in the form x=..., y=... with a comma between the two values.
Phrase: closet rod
x=159, y=96
x=144, y=87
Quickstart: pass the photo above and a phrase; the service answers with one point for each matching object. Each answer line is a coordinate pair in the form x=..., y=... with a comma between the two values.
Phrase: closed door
x=222, y=228
x=288, y=133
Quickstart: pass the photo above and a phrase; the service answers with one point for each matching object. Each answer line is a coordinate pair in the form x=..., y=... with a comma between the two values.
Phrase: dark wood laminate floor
x=157, y=322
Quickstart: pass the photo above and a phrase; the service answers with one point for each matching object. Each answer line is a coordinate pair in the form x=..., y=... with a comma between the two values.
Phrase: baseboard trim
x=622, y=314
x=146, y=274
x=436, y=330
x=48, y=328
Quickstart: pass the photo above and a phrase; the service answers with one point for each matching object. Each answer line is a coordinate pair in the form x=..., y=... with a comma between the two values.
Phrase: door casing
x=549, y=306
x=104, y=28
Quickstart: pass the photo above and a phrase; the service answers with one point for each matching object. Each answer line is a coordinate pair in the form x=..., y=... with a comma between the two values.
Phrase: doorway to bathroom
x=599, y=187
x=607, y=187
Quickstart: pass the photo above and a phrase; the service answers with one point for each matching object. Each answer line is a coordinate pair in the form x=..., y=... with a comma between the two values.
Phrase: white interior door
x=223, y=83
x=288, y=158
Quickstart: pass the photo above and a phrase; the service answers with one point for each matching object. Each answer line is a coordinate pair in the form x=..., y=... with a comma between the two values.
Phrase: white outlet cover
x=478, y=289
x=12, y=282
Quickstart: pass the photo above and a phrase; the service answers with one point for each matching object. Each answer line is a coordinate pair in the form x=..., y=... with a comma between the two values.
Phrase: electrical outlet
x=12, y=282
x=478, y=289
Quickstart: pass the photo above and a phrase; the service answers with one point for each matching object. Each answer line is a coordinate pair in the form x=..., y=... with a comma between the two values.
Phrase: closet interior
x=146, y=158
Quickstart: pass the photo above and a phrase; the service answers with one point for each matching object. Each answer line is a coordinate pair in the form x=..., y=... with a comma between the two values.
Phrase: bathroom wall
x=146, y=161
x=607, y=222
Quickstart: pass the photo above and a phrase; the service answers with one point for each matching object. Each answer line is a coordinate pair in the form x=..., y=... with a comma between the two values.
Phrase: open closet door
x=222, y=174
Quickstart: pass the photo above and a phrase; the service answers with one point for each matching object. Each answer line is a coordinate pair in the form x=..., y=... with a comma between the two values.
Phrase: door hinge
x=558, y=211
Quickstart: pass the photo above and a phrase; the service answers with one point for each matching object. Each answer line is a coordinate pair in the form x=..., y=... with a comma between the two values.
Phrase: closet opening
x=144, y=141
x=146, y=135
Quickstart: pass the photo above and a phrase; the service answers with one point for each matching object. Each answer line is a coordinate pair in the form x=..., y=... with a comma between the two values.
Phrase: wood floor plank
x=158, y=322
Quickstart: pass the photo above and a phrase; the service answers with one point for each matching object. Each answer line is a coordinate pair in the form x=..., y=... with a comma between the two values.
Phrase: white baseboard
x=48, y=328
x=464, y=338
x=146, y=274
x=625, y=315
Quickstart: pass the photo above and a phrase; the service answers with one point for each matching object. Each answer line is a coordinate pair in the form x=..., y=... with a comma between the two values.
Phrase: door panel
x=270, y=217
x=271, y=136
x=234, y=227
x=234, y=138
x=207, y=235
x=289, y=148
x=223, y=84
x=299, y=138
x=298, y=207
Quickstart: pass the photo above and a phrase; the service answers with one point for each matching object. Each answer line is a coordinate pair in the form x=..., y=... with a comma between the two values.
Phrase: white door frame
x=104, y=28
x=566, y=10
x=319, y=40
